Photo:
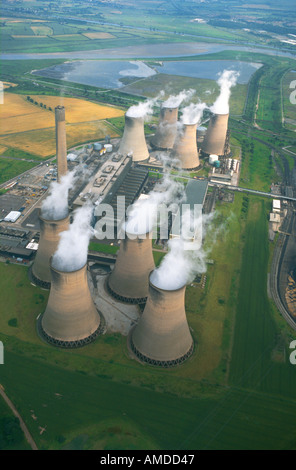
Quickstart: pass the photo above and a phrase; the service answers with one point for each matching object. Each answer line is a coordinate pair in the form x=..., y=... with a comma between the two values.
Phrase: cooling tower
x=162, y=335
x=71, y=318
x=215, y=138
x=185, y=147
x=61, y=146
x=133, y=139
x=165, y=134
x=49, y=239
x=128, y=281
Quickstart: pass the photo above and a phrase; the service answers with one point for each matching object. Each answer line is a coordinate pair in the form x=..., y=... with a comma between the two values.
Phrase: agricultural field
x=9, y=168
x=35, y=134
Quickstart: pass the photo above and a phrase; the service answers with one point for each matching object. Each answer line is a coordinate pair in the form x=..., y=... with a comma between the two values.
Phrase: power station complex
x=161, y=335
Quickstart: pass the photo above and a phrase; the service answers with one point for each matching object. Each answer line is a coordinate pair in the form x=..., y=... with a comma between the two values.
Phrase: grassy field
x=289, y=109
x=257, y=170
x=9, y=168
x=206, y=90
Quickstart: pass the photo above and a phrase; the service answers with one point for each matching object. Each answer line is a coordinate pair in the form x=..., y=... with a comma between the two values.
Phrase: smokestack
x=129, y=279
x=61, y=146
x=162, y=335
x=185, y=147
x=133, y=139
x=215, y=138
x=71, y=318
x=49, y=239
x=165, y=134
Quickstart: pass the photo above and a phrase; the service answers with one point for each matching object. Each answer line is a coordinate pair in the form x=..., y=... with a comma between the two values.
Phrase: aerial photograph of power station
x=147, y=227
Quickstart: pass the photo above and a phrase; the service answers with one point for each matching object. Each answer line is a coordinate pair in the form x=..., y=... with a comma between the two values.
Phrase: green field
x=9, y=168
x=222, y=398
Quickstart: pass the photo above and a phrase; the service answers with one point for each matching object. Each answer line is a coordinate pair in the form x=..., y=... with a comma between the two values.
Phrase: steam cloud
x=142, y=109
x=55, y=206
x=192, y=113
x=182, y=263
x=174, y=101
x=71, y=253
x=226, y=81
x=143, y=214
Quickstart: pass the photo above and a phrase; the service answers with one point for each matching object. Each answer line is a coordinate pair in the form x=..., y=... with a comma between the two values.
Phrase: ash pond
x=114, y=73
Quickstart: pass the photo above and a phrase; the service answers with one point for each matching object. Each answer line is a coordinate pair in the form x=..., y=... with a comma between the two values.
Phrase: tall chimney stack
x=49, y=239
x=133, y=140
x=165, y=134
x=71, y=318
x=161, y=336
x=185, y=147
x=128, y=281
x=215, y=138
x=61, y=145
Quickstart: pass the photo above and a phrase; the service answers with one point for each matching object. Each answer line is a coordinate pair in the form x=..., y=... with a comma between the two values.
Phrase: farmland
x=34, y=123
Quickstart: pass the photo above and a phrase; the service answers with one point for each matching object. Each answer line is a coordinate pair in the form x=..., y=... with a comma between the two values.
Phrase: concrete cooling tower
x=162, y=335
x=49, y=239
x=185, y=147
x=215, y=138
x=133, y=141
x=165, y=134
x=61, y=145
x=128, y=281
x=71, y=318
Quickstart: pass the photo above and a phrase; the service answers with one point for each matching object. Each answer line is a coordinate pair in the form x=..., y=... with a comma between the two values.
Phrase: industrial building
x=185, y=148
x=61, y=142
x=133, y=141
x=50, y=230
x=162, y=336
x=71, y=318
x=216, y=134
x=128, y=281
x=166, y=130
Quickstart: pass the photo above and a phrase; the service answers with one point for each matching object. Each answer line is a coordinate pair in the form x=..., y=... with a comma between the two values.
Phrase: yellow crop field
x=29, y=127
x=2, y=149
x=18, y=36
x=19, y=115
x=42, y=142
x=42, y=30
x=77, y=110
x=99, y=35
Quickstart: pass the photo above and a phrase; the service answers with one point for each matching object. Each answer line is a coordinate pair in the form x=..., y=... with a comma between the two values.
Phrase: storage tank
x=98, y=146
x=108, y=147
x=213, y=159
x=161, y=336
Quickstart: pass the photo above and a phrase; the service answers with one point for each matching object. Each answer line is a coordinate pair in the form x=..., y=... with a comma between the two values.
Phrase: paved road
x=22, y=423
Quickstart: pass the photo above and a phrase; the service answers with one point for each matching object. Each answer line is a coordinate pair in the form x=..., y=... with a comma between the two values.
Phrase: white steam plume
x=192, y=113
x=142, y=216
x=143, y=109
x=72, y=250
x=174, y=101
x=186, y=257
x=55, y=206
x=226, y=81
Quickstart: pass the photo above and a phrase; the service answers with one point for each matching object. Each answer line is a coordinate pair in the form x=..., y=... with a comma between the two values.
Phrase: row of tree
x=42, y=105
